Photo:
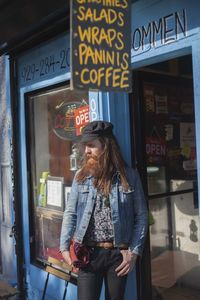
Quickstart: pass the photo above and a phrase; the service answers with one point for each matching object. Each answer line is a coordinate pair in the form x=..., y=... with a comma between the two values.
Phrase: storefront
x=157, y=135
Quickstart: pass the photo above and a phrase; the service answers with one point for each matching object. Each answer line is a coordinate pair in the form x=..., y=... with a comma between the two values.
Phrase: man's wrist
x=133, y=254
x=64, y=250
x=134, y=250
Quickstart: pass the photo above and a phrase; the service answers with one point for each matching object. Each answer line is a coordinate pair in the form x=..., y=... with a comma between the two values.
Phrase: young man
x=107, y=213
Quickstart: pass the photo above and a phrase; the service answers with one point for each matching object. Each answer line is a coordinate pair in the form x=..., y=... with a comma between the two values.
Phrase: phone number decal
x=45, y=66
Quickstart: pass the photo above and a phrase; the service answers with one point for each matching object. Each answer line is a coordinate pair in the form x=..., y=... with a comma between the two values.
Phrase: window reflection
x=175, y=246
x=156, y=180
x=54, y=120
x=170, y=145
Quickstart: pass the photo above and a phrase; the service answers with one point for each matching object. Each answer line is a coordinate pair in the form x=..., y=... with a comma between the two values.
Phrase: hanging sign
x=81, y=116
x=155, y=147
x=101, y=45
x=64, y=121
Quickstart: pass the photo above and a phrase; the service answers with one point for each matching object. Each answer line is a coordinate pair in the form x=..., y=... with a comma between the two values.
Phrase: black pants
x=103, y=263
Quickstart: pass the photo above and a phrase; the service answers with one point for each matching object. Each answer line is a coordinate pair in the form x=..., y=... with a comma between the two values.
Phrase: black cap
x=95, y=130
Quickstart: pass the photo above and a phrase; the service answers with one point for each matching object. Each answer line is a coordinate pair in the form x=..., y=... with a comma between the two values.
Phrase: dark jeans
x=103, y=263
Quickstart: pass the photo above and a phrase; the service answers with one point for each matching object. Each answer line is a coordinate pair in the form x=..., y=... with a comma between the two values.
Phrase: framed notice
x=55, y=195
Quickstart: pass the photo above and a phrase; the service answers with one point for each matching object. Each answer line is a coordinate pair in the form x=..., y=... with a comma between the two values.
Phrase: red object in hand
x=79, y=254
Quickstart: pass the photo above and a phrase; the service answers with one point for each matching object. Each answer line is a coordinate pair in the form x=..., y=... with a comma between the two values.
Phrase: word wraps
x=101, y=45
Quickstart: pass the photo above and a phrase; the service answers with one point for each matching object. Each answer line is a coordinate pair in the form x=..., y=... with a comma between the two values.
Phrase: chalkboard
x=101, y=45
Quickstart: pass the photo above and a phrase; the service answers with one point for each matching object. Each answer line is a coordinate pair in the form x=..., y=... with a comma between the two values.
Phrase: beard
x=91, y=166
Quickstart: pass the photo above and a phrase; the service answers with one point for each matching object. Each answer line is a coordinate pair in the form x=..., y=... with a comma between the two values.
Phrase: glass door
x=54, y=117
x=169, y=167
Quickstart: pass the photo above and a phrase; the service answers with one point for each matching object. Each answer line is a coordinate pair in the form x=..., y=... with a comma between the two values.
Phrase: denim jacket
x=128, y=212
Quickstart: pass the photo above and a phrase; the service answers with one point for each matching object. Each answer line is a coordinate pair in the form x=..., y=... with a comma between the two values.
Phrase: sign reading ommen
x=101, y=45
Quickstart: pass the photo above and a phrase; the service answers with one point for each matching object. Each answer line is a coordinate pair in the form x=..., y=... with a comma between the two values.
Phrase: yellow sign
x=101, y=45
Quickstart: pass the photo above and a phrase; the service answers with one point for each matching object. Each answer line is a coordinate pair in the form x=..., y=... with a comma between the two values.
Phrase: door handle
x=12, y=231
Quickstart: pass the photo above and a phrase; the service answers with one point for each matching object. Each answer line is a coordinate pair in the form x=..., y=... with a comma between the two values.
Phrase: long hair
x=110, y=162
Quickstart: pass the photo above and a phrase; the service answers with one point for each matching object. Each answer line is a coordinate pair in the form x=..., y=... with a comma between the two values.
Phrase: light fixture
x=74, y=158
x=152, y=169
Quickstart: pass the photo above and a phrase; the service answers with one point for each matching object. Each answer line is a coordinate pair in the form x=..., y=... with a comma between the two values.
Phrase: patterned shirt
x=100, y=227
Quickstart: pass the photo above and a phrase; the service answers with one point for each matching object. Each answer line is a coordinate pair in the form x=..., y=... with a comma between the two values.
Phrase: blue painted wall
x=7, y=243
x=48, y=64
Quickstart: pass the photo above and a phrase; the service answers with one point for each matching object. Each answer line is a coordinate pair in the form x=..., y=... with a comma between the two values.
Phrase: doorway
x=165, y=154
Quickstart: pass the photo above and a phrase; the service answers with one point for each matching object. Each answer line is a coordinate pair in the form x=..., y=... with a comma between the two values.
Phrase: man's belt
x=107, y=245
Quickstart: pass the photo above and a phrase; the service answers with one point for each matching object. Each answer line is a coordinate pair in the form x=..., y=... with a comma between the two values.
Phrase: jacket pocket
x=83, y=192
x=85, y=189
x=128, y=195
x=131, y=189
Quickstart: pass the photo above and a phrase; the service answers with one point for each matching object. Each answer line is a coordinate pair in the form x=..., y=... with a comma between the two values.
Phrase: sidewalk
x=6, y=291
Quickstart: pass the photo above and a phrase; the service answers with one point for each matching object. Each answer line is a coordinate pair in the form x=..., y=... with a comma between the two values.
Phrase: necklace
x=106, y=201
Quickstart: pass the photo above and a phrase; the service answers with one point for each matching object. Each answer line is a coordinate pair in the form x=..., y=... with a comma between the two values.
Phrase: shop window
x=54, y=119
x=168, y=140
x=169, y=136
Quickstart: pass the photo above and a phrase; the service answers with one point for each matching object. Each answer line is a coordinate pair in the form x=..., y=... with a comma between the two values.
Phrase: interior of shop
x=166, y=128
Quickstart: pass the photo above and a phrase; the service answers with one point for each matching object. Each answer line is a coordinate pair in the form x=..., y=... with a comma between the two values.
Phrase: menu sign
x=101, y=45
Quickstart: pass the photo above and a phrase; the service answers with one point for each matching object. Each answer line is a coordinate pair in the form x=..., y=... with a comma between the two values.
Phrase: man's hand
x=128, y=263
x=67, y=257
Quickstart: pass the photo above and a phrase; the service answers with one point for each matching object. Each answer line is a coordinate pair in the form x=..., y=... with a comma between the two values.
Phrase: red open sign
x=81, y=116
